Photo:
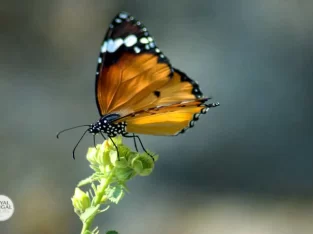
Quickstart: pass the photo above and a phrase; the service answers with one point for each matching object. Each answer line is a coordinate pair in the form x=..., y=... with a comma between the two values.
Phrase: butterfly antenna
x=71, y=129
x=78, y=143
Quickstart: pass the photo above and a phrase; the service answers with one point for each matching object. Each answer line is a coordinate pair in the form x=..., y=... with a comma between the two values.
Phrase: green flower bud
x=143, y=164
x=99, y=158
x=117, y=141
x=122, y=163
x=124, y=174
x=91, y=155
x=80, y=200
x=104, y=199
x=103, y=154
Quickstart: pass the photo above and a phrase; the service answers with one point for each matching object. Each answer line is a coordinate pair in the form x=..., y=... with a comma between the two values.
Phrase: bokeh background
x=246, y=167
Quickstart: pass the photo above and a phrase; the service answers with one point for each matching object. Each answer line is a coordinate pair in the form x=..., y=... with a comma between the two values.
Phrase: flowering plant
x=113, y=164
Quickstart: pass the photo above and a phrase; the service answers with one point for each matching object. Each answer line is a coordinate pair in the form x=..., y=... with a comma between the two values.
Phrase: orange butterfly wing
x=130, y=67
x=180, y=88
x=166, y=120
x=130, y=80
x=136, y=81
x=133, y=74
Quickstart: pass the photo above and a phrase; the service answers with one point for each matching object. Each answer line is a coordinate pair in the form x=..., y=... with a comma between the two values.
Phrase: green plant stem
x=86, y=226
x=97, y=201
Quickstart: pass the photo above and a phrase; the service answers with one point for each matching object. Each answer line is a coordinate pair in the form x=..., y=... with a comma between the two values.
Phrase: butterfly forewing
x=130, y=64
x=137, y=82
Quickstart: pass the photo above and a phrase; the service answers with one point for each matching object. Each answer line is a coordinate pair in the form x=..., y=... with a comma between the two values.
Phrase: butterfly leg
x=118, y=154
x=135, y=143
x=94, y=141
x=135, y=136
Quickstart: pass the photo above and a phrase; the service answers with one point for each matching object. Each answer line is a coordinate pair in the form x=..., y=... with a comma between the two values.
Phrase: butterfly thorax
x=107, y=126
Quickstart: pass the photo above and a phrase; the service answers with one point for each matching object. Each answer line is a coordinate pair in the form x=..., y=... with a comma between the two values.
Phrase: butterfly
x=138, y=91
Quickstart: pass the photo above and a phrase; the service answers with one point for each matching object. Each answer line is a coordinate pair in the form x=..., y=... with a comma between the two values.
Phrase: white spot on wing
x=144, y=40
x=104, y=47
x=110, y=45
x=118, y=20
x=130, y=40
x=157, y=50
x=123, y=15
x=114, y=45
x=99, y=60
x=136, y=49
x=150, y=39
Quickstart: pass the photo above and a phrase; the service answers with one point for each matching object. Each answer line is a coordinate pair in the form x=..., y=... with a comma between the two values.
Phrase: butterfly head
x=105, y=125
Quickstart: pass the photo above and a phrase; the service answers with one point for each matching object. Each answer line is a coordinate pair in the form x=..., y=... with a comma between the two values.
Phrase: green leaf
x=95, y=168
x=115, y=193
x=112, y=232
x=88, y=180
x=146, y=172
x=89, y=212
x=125, y=187
x=124, y=174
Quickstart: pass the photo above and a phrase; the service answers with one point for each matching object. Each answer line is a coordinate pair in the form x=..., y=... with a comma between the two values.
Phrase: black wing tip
x=195, y=86
x=123, y=12
x=131, y=25
x=211, y=105
x=196, y=116
x=123, y=15
x=126, y=16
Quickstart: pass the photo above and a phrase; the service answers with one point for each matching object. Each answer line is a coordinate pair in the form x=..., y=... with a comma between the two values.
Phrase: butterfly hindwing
x=180, y=88
x=166, y=120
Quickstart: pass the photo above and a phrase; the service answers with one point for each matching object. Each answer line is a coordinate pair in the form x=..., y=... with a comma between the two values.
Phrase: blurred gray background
x=246, y=167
